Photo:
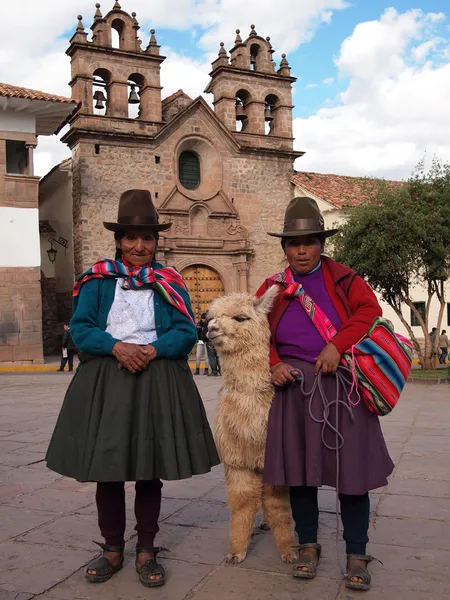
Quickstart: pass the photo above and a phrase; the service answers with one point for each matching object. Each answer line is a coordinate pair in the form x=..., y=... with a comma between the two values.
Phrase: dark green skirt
x=116, y=426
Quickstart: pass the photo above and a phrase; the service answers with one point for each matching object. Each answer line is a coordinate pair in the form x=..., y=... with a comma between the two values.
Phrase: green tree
x=400, y=239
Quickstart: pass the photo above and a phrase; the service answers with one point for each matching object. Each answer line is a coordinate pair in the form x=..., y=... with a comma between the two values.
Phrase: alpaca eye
x=241, y=318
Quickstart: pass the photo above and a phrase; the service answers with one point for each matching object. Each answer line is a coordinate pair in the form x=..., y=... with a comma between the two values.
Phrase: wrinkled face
x=303, y=253
x=138, y=247
x=239, y=320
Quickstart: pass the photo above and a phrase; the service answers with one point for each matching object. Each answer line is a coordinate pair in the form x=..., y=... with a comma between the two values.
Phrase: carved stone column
x=30, y=148
x=243, y=277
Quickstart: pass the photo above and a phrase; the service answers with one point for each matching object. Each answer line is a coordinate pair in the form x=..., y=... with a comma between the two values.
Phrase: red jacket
x=355, y=303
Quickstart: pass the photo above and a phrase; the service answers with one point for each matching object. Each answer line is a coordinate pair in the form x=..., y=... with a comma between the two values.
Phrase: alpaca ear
x=264, y=304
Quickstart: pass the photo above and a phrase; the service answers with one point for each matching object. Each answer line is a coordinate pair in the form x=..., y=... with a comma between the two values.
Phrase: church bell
x=240, y=113
x=100, y=99
x=268, y=114
x=133, y=97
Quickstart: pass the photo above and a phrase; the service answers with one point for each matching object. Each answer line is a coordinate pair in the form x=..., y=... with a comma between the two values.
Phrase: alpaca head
x=238, y=322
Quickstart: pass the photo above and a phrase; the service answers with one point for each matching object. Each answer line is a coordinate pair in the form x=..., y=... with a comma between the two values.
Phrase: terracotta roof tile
x=174, y=96
x=339, y=190
x=13, y=91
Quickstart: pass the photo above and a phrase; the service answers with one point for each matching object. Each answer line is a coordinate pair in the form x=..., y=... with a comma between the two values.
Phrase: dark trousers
x=443, y=356
x=110, y=498
x=69, y=358
x=213, y=358
x=355, y=512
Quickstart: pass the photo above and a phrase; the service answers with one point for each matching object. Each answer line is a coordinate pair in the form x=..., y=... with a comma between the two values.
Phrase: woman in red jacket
x=325, y=437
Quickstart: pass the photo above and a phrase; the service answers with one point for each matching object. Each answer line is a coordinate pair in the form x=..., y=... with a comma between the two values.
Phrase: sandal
x=309, y=564
x=104, y=569
x=360, y=572
x=151, y=568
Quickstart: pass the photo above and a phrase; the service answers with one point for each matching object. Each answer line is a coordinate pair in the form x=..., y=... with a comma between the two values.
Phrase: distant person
x=444, y=345
x=67, y=349
x=202, y=328
x=213, y=359
x=432, y=335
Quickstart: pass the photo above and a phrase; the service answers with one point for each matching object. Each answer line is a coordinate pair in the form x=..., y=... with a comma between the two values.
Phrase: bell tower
x=114, y=78
x=252, y=97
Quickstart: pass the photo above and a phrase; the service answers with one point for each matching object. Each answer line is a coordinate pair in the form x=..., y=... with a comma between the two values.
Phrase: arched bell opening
x=100, y=84
x=271, y=102
x=242, y=99
x=117, y=34
x=255, y=56
x=135, y=86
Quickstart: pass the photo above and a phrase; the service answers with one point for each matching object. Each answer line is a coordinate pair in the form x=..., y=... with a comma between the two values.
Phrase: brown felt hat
x=303, y=217
x=137, y=211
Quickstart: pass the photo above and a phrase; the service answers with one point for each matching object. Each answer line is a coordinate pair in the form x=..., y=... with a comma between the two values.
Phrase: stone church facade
x=221, y=175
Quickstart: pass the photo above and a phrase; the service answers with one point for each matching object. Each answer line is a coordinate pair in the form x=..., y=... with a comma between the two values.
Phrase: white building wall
x=17, y=122
x=19, y=237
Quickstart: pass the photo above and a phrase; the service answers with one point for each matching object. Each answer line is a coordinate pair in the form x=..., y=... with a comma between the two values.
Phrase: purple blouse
x=296, y=336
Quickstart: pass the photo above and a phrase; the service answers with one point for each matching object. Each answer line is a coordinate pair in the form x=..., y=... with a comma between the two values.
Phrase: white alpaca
x=239, y=330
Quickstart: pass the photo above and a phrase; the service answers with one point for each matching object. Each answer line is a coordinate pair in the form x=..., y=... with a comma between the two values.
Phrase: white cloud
x=395, y=107
x=311, y=85
x=328, y=80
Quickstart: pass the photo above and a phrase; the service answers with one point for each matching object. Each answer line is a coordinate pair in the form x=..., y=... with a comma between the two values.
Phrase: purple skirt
x=296, y=449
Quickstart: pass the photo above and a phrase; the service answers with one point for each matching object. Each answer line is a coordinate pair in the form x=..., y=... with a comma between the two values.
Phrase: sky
x=372, y=94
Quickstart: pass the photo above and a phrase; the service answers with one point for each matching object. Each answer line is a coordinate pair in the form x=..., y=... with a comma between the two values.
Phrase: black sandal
x=310, y=564
x=104, y=570
x=360, y=572
x=151, y=568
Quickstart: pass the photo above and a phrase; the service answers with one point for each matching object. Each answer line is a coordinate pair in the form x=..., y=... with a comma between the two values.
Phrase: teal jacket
x=177, y=335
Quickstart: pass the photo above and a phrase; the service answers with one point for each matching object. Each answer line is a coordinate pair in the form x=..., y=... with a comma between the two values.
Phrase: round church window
x=189, y=170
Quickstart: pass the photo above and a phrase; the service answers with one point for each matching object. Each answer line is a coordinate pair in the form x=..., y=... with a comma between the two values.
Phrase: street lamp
x=52, y=253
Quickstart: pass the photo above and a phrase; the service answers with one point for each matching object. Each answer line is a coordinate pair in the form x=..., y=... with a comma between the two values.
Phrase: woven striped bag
x=381, y=362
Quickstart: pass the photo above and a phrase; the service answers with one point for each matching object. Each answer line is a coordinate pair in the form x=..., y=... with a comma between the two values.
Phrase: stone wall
x=20, y=315
x=255, y=183
x=49, y=315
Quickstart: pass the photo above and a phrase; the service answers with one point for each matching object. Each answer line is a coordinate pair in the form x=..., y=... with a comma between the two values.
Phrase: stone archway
x=204, y=285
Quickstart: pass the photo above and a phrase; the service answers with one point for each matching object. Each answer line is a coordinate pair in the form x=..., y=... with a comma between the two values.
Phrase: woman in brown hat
x=132, y=411
x=318, y=433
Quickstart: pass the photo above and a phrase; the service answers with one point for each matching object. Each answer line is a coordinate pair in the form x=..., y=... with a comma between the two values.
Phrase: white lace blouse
x=132, y=316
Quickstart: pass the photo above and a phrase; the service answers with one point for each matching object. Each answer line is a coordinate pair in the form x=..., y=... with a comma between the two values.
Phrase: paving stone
x=393, y=433
x=64, y=501
x=72, y=531
x=418, y=487
x=21, y=458
x=15, y=521
x=218, y=494
x=31, y=437
x=7, y=595
x=419, y=568
x=45, y=566
x=424, y=467
x=419, y=507
x=411, y=533
x=427, y=444
x=229, y=582
x=193, y=544
x=8, y=445
x=202, y=514
x=195, y=487
x=395, y=450
x=181, y=578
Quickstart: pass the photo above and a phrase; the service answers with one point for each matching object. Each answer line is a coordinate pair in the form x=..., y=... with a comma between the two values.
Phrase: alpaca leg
x=277, y=509
x=244, y=491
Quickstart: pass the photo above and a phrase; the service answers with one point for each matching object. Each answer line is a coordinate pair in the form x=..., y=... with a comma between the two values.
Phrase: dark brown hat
x=137, y=211
x=303, y=217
